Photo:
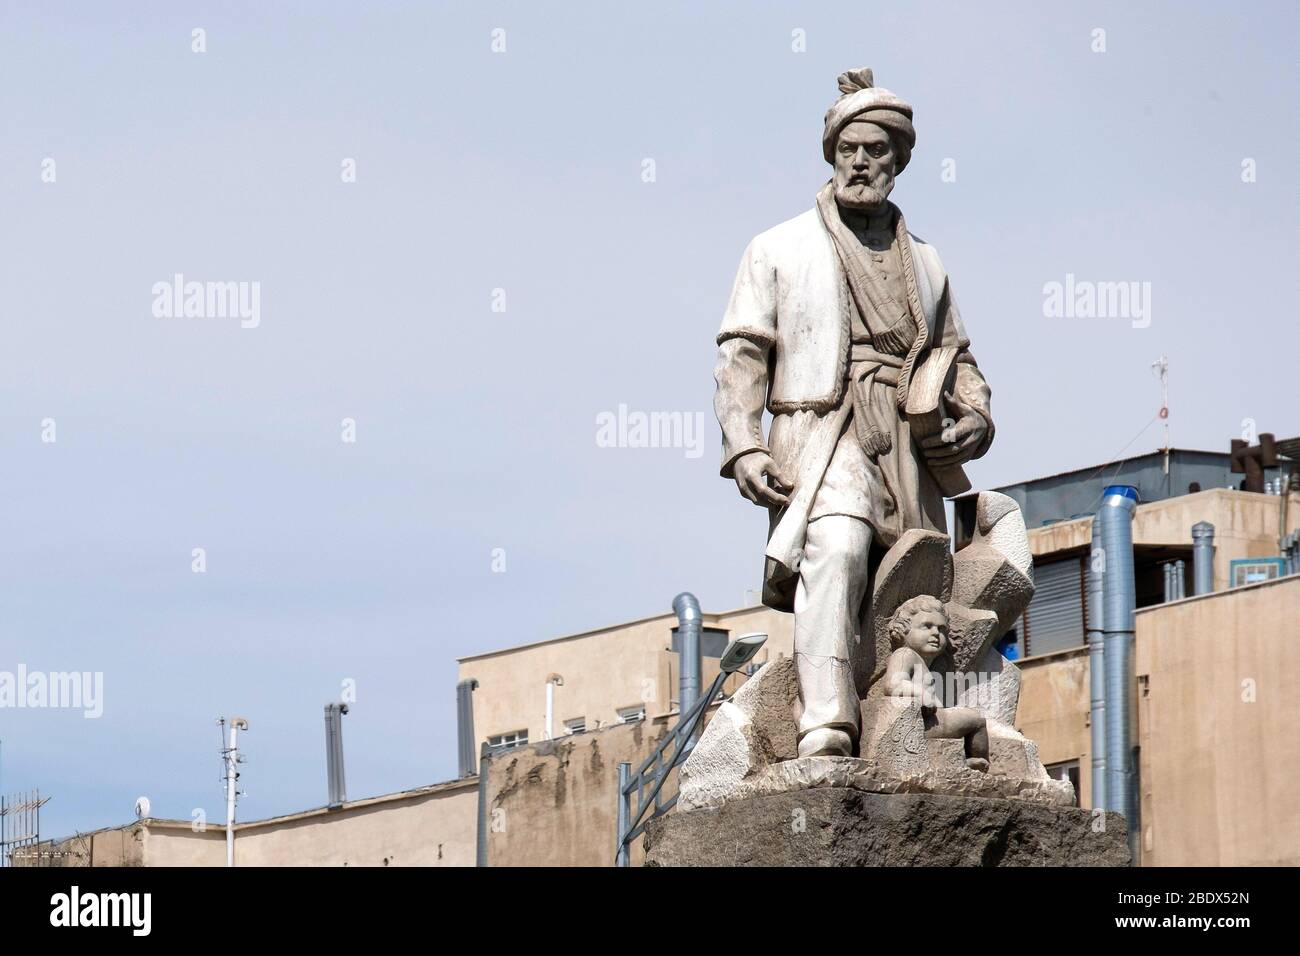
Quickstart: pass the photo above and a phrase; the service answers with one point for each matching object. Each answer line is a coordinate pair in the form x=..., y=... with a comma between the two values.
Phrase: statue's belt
x=869, y=367
x=863, y=358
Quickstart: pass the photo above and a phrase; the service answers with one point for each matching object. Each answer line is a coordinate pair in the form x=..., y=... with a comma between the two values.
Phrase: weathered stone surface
x=897, y=757
x=984, y=587
x=995, y=572
x=754, y=729
x=893, y=735
x=918, y=563
x=749, y=748
x=972, y=632
x=945, y=772
x=837, y=826
x=996, y=693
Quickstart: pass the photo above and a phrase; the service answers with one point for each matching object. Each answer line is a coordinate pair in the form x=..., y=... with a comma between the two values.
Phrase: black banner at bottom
x=333, y=905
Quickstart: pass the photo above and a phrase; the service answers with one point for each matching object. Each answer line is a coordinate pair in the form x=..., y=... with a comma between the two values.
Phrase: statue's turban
x=862, y=100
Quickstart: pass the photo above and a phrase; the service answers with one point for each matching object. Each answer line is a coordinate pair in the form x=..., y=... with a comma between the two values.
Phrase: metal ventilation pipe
x=465, y=726
x=1096, y=666
x=338, y=789
x=1168, y=568
x=689, y=625
x=1180, y=579
x=1119, y=595
x=1203, y=557
x=552, y=682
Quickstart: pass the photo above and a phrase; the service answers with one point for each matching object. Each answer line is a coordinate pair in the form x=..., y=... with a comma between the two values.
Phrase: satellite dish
x=142, y=807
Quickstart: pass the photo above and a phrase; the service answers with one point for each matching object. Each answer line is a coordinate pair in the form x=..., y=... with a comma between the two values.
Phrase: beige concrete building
x=430, y=826
x=613, y=675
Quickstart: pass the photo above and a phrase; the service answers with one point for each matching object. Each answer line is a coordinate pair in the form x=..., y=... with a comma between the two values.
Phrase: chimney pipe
x=338, y=790
x=689, y=624
x=1180, y=579
x=1168, y=567
x=1097, y=666
x=1119, y=594
x=1203, y=557
x=552, y=682
x=465, y=726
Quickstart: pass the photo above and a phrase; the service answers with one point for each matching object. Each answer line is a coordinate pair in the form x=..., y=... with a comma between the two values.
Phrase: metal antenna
x=231, y=758
x=1161, y=368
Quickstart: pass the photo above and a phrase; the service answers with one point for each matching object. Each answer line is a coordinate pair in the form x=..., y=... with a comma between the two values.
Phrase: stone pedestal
x=843, y=826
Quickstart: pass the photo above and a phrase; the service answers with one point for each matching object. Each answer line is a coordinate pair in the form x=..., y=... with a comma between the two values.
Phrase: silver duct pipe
x=465, y=726
x=1180, y=579
x=1096, y=666
x=1284, y=546
x=338, y=789
x=1203, y=557
x=552, y=681
x=689, y=626
x=481, y=843
x=1168, y=568
x=1119, y=595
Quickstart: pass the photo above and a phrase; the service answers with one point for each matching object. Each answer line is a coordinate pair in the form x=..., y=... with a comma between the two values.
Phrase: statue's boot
x=826, y=742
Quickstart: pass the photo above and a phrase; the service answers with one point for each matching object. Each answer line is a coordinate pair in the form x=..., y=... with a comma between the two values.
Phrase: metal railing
x=654, y=770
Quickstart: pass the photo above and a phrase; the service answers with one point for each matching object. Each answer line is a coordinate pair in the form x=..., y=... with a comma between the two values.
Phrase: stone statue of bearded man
x=843, y=324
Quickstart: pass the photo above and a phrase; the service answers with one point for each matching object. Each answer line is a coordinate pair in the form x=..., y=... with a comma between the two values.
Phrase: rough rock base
x=845, y=827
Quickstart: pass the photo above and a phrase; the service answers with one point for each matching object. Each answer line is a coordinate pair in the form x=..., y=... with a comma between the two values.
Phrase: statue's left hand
x=957, y=443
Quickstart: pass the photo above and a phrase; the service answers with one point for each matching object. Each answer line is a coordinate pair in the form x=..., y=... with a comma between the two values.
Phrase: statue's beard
x=864, y=195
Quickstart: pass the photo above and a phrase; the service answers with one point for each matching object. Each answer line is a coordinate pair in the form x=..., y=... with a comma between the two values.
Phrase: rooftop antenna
x=231, y=757
x=1161, y=368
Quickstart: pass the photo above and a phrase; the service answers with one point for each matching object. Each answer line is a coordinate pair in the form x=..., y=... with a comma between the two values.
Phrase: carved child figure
x=919, y=632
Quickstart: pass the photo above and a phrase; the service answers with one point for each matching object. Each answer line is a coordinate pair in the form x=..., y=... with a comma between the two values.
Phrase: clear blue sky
x=476, y=429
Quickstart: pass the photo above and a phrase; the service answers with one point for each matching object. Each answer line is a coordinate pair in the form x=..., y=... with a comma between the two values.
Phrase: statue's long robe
x=785, y=342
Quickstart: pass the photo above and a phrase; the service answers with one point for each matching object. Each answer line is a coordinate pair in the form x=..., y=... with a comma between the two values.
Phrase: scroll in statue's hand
x=750, y=470
x=957, y=443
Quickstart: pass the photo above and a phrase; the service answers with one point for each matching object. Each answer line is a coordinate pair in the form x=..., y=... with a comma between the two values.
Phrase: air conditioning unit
x=1253, y=570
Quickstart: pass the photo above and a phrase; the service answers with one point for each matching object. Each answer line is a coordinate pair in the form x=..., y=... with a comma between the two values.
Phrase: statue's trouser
x=833, y=579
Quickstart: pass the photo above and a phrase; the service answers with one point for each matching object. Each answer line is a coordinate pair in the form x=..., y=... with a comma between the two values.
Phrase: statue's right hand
x=750, y=470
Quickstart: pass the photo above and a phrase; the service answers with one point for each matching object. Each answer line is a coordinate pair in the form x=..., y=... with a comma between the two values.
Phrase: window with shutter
x=1054, y=619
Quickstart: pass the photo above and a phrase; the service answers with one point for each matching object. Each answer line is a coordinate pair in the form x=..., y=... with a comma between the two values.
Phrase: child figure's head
x=921, y=625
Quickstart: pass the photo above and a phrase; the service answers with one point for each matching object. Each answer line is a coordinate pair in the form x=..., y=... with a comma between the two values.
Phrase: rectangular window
x=578, y=725
x=630, y=715
x=509, y=741
x=1054, y=619
x=1066, y=770
x=713, y=641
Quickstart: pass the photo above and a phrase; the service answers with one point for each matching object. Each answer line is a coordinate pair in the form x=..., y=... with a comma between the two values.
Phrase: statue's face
x=928, y=635
x=865, y=164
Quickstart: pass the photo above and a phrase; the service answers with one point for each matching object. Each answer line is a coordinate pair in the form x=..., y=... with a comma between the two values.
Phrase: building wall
x=555, y=803
x=174, y=843
x=433, y=826
x=1217, y=715
x=1054, y=711
x=1246, y=526
x=436, y=828
x=119, y=846
x=603, y=671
